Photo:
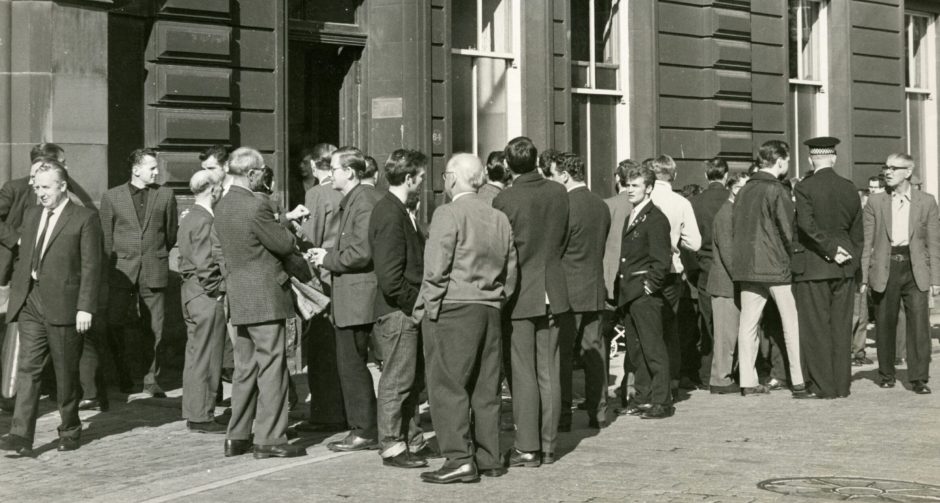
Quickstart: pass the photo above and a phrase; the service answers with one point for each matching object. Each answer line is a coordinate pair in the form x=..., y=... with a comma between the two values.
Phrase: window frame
x=820, y=84
x=930, y=171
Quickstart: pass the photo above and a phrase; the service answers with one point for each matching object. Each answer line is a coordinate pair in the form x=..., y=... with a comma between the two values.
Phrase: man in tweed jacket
x=254, y=244
x=139, y=221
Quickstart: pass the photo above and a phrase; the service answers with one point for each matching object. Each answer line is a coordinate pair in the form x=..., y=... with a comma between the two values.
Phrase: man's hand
x=315, y=256
x=863, y=288
x=418, y=314
x=842, y=256
x=299, y=213
x=82, y=321
x=934, y=290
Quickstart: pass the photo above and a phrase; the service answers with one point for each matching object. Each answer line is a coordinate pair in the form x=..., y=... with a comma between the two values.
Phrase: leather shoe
x=17, y=444
x=597, y=424
x=760, y=389
x=94, y=404
x=725, y=390
x=802, y=392
x=353, y=442
x=154, y=390
x=659, y=412
x=515, y=457
x=278, y=451
x=308, y=427
x=494, y=472
x=427, y=452
x=548, y=458
x=633, y=409
x=886, y=383
x=775, y=384
x=68, y=444
x=205, y=427
x=405, y=460
x=236, y=447
x=466, y=472
x=858, y=361
x=920, y=388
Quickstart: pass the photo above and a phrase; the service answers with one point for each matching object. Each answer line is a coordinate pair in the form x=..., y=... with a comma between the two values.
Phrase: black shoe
x=760, y=389
x=725, y=390
x=68, y=444
x=353, y=442
x=776, y=384
x=635, y=409
x=94, y=404
x=659, y=412
x=308, y=427
x=920, y=388
x=858, y=361
x=886, y=383
x=223, y=402
x=405, y=460
x=689, y=383
x=237, y=447
x=463, y=473
x=17, y=444
x=154, y=390
x=284, y=450
x=596, y=424
x=515, y=457
x=548, y=458
x=802, y=392
x=223, y=418
x=205, y=427
x=427, y=452
x=494, y=472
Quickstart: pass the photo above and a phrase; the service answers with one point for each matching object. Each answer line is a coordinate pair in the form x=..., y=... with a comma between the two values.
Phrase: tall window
x=486, y=84
x=599, y=112
x=809, y=67
x=920, y=84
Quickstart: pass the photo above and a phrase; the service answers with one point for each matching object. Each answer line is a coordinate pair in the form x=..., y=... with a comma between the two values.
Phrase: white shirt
x=636, y=211
x=577, y=186
x=900, y=217
x=56, y=213
x=683, y=229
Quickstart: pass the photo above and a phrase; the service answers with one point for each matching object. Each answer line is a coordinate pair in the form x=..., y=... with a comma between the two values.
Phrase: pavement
x=717, y=448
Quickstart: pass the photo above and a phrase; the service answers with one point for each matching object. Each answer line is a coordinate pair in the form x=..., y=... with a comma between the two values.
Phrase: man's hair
x=320, y=155
x=664, y=167
x=372, y=167
x=496, y=170
x=692, y=189
x=352, y=158
x=772, y=150
x=521, y=155
x=734, y=178
x=903, y=158
x=469, y=173
x=402, y=163
x=202, y=180
x=754, y=167
x=49, y=150
x=220, y=152
x=573, y=165
x=642, y=171
x=620, y=172
x=244, y=159
x=547, y=158
x=877, y=179
x=138, y=155
x=50, y=164
x=715, y=169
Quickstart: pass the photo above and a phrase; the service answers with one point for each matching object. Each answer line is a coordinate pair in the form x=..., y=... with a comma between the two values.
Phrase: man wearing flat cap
x=825, y=260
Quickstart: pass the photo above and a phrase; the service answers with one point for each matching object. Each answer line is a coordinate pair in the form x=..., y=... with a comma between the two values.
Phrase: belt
x=899, y=257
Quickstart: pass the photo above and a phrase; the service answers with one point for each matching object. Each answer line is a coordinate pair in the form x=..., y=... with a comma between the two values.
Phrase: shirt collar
x=577, y=186
x=58, y=209
x=662, y=184
x=458, y=196
x=207, y=208
x=906, y=194
x=135, y=189
x=638, y=208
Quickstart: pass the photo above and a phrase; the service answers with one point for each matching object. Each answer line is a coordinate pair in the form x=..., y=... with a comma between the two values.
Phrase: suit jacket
x=15, y=197
x=294, y=264
x=397, y=255
x=69, y=272
x=350, y=262
x=322, y=226
x=253, y=244
x=620, y=208
x=706, y=206
x=200, y=255
x=828, y=215
x=924, y=240
x=720, y=283
x=488, y=192
x=646, y=255
x=583, y=262
x=138, y=254
x=470, y=257
x=538, y=212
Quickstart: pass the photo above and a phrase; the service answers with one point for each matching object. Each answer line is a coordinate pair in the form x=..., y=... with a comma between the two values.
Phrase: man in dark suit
x=354, y=289
x=901, y=261
x=54, y=295
x=470, y=268
x=829, y=242
x=538, y=211
x=705, y=206
x=645, y=259
x=583, y=263
x=327, y=412
x=253, y=245
x=398, y=254
x=203, y=294
x=139, y=221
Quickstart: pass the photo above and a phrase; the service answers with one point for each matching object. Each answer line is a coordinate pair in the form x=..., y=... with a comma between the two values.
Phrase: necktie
x=37, y=250
x=632, y=217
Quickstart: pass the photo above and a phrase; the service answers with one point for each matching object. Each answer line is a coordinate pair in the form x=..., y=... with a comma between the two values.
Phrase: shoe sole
x=525, y=464
x=466, y=480
x=259, y=455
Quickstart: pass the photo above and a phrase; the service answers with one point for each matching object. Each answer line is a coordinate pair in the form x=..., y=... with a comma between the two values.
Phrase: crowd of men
x=522, y=272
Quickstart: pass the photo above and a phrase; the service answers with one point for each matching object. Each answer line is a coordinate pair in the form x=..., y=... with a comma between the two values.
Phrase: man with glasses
x=901, y=261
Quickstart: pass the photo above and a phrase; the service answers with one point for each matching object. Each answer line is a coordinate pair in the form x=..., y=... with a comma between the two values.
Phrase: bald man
x=469, y=273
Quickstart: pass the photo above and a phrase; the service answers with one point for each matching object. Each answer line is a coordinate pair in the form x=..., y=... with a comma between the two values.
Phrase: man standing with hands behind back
x=54, y=295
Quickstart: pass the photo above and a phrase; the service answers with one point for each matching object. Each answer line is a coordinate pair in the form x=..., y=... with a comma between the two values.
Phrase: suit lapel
x=638, y=220
x=31, y=229
x=914, y=214
x=886, y=215
x=63, y=220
